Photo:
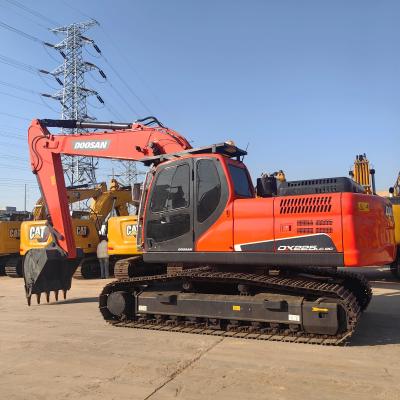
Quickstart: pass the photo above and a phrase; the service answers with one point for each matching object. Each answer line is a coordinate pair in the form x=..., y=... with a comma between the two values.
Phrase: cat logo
x=82, y=230
x=14, y=233
x=131, y=230
x=38, y=232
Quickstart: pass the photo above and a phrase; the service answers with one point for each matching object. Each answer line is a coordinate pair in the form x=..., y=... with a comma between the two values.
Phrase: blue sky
x=306, y=85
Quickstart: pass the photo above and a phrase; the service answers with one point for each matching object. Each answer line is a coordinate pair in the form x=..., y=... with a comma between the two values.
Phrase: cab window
x=240, y=181
x=208, y=189
x=171, y=189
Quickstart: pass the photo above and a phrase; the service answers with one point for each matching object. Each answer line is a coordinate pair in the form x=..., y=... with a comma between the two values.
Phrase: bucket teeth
x=56, y=294
x=47, y=296
x=28, y=299
x=38, y=297
x=64, y=294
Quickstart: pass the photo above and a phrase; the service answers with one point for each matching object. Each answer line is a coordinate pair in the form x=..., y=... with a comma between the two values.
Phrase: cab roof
x=226, y=149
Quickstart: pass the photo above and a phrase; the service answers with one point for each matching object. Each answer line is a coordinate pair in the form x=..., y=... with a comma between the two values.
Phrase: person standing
x=102, y=255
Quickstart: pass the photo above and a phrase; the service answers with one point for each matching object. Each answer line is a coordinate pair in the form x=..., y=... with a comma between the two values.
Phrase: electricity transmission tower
x=74, y=93
x=73, y=98
x=126, y=172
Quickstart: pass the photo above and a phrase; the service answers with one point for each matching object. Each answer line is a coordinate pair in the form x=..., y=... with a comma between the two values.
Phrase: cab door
x=169, y=211
x=213, y=217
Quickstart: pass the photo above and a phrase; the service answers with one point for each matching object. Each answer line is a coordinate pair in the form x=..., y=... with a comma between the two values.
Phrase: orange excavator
x=260, y=267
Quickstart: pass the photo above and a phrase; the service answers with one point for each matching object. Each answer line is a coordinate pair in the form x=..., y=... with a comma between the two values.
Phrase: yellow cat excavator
x=9, y=240
x=10, y=228
x=86, y=226
x=363, y=174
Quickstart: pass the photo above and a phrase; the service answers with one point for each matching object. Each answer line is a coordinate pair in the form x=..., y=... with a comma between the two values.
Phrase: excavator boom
x=135, y=142
x=140, y=141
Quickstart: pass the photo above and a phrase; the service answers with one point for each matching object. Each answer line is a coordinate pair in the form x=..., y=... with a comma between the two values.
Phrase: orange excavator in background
x=257, y=267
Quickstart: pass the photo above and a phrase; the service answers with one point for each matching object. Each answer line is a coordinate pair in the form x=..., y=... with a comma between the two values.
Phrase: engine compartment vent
x=311, y=204
x=324, y=230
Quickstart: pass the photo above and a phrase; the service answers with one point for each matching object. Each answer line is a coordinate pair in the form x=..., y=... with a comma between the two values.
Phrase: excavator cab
x=190, y=194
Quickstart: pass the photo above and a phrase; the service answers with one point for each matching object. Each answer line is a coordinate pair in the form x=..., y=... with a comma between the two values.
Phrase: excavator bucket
x=47, y=270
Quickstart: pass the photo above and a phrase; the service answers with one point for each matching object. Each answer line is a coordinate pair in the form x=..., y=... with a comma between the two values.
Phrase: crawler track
x=351, y=291
x=135, y=266
x=88, y=268
x=123, y=268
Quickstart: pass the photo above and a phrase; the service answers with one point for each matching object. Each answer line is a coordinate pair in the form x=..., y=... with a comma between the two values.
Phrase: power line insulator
x=96, y=48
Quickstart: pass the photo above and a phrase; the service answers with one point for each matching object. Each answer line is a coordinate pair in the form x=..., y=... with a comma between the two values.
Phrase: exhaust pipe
x=372, y=172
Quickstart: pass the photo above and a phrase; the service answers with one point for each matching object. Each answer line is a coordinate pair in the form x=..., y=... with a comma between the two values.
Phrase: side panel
x=220, y=236
x=122, y=233
x=35, y=235
x=315, y=218
x=368, y=236
x=254, y=225
x=9, y=237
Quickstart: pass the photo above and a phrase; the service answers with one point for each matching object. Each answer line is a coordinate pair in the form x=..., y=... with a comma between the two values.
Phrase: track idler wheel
x=120, y=304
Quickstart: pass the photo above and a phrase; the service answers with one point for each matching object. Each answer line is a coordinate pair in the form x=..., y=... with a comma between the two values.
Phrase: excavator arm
x=138, y=141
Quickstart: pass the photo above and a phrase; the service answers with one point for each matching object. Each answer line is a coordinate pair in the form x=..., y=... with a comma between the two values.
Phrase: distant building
x=11, y=213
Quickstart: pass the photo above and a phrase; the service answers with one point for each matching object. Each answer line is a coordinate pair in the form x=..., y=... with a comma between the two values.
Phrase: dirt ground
x=65, y=351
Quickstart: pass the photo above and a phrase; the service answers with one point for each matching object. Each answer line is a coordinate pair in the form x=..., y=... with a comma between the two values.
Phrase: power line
x=19, y=181
x=21, y=33
x=14, y=116
x=131, y=66
x=24, y=16
x=28, y=68
x=13, y=165
x=6, y=145
x=33, y=12
x=123, y=99
x=76, y=9
x=5, y=126
x=23, y=89
x=25, y=99
x=126, y=85
x=10, y=136
x=19, y=65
